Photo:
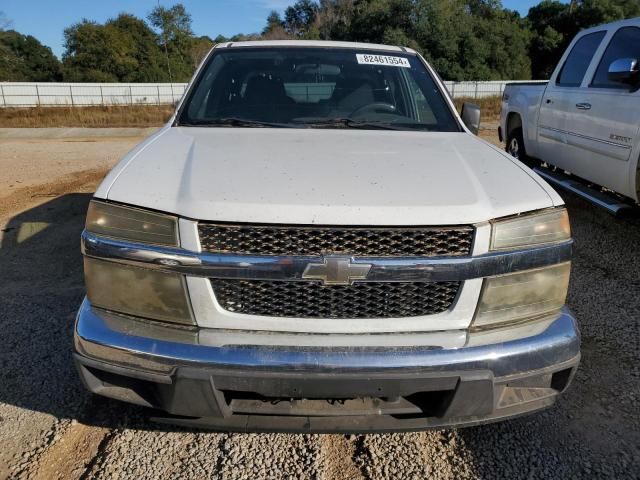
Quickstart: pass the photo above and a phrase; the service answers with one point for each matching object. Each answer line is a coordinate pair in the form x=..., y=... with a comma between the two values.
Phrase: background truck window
x=624, y=44
x=579, y=59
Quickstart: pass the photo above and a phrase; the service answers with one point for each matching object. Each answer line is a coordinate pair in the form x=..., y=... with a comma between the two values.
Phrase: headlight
x=533, y=229
x=131, y=224
x=523, y=295
x=140, y=292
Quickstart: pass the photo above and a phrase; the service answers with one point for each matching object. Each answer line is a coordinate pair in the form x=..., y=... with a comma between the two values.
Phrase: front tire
x=515, y=148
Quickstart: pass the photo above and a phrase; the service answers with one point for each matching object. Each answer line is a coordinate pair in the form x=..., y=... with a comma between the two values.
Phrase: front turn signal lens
x=521, y=296
x=134, y=224
x=549, y=226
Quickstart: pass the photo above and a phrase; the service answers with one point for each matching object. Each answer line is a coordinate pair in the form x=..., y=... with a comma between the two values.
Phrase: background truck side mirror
x=471, y=117
x=625, y=70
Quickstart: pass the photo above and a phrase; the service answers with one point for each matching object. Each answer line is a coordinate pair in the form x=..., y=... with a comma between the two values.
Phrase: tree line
x=463, y=39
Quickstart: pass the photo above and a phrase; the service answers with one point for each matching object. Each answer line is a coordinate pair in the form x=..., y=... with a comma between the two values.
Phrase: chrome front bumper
x=250, y=387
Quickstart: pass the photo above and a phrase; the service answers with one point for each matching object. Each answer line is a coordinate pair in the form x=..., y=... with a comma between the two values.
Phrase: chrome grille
x=353, y=241
x=313, y=300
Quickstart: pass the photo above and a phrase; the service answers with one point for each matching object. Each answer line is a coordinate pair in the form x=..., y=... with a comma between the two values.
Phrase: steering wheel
x=374, y=107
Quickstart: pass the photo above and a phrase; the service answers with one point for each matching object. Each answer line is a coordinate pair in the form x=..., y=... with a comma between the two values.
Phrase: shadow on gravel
x=41, y=288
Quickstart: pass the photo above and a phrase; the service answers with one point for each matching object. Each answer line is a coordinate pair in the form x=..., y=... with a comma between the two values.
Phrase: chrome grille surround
x=298, y=299
x=391, y=298
x=318, y=240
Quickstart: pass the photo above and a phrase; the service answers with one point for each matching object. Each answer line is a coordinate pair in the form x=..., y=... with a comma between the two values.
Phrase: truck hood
x=324, y=176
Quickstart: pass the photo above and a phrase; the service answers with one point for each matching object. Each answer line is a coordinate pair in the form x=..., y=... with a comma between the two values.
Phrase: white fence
x=26, y=94
x=481, y=89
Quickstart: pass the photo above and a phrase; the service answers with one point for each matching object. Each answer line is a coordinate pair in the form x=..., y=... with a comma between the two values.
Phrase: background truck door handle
x=583, y=106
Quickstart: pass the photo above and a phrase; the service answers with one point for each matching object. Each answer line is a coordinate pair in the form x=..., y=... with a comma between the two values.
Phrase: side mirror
x=625, y=70
x=471, y=117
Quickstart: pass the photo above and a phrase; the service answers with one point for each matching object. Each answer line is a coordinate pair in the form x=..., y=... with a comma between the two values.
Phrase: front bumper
x=270, y=388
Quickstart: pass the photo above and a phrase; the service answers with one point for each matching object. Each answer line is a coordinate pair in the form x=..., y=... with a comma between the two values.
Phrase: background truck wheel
x=515, y=148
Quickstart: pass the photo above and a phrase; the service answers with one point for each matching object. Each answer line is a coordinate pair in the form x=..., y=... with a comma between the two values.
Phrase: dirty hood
x=324, y=176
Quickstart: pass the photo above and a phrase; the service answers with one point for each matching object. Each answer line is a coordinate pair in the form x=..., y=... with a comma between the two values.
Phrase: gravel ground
x=51, y=428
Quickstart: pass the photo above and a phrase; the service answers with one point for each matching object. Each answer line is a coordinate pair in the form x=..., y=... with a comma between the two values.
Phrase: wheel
x=515, y=148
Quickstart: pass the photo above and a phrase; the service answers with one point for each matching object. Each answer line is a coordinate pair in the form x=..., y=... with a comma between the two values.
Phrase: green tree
x=24, y=59
x=274, y=22
x=444, y=31
x=141, y=47
x=464, y=39
x=89, y=53
x=502, y=39
x=552, y=30
x=275, y=28
x=173, y=22
x=124, y=49
x=333, y=19
x=300, y=18
x=373, y=20
x=554, y=24
x=173, y=25
x=200, y=48
x=589, y=13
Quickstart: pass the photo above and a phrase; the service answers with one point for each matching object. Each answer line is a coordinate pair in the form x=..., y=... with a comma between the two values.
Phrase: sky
x=47, y=19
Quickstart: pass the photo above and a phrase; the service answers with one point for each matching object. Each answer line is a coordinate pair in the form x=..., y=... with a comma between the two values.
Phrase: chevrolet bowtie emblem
x=336, y=271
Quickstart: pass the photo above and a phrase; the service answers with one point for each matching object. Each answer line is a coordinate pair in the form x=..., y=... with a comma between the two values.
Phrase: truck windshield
x=316, y=88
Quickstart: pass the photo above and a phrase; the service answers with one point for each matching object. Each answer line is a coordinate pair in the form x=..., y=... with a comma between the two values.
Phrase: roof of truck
x=315, y=43
x=629, y=22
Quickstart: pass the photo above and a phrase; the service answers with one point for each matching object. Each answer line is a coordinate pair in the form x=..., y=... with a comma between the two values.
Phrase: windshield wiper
x=348, y=123
x=234, y=122
x=343, y=122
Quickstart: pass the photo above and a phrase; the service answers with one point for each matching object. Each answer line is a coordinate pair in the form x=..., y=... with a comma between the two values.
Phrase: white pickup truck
x=317, y=242
x=584, y=125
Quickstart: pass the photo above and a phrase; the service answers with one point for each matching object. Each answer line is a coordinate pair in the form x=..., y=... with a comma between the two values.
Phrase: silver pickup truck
x=584, y=125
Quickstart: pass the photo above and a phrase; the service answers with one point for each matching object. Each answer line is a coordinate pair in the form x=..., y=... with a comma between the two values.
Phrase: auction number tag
x=365, y=59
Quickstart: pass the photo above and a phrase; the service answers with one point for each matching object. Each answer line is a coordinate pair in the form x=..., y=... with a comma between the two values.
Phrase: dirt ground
x=50, y=427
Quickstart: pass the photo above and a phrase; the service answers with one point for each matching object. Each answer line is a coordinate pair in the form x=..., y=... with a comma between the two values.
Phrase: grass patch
x=111, y=116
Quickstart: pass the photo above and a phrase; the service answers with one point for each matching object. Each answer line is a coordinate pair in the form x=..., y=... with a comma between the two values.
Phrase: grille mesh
x=355, y=241
x=314, y=300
